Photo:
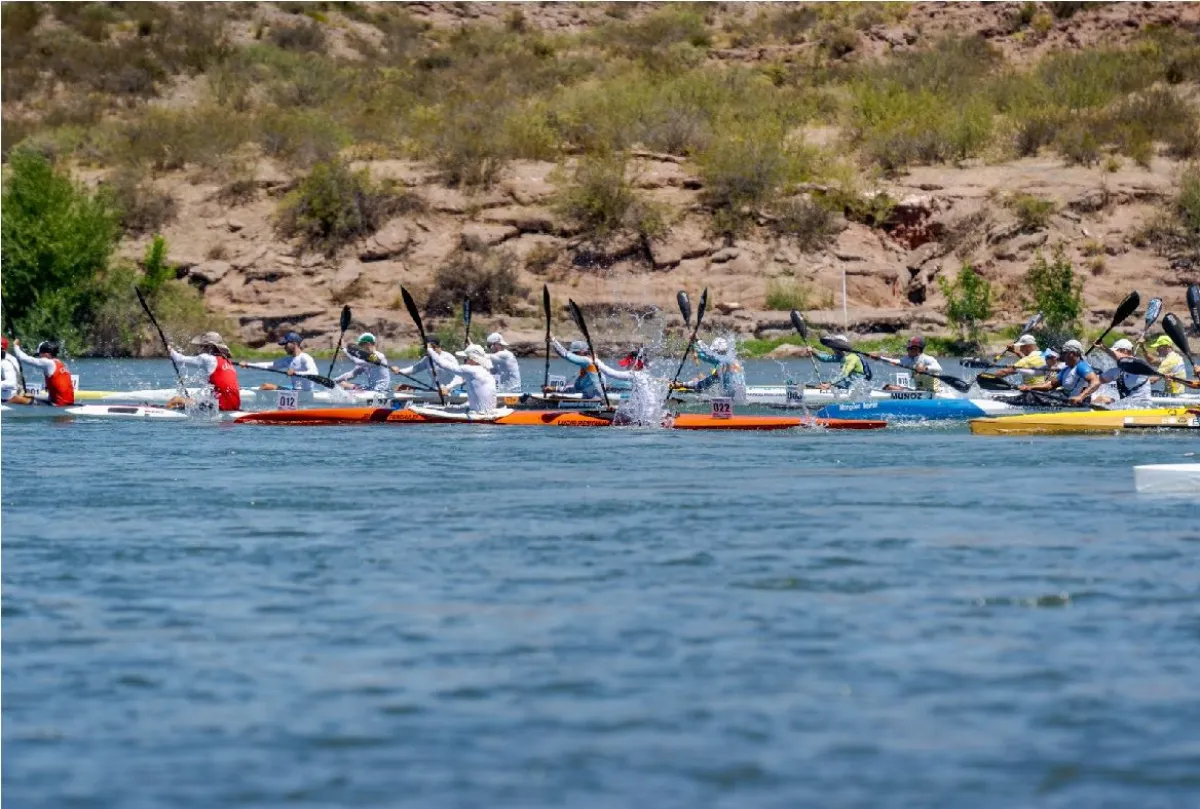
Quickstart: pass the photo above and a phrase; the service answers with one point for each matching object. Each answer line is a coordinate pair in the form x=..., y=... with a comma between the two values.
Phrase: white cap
x=1073, y=345
x=475, y=354
x=578, y=347
x=495, y=338
x=1122, y=345
x=720, y=345
x=1026, y=340
x=1050, y=352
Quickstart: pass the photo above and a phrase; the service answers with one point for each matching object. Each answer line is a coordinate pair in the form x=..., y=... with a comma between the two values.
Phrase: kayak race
x=572, y=404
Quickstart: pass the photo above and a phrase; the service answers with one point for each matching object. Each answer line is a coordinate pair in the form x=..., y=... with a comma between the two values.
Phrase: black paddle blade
x=467, y=312
x=836, y=343
x=991, y=382
x=546, y=304
x=1031, y=324
x=960, y=385
x=799, y=325
x=703, y=305
x=1152, y=311
x=1193, y=303
x=685, y=307
x=1136, y=365
x=1127, y=308
x=976, y=362
x=411, y=306
x=346, y=317
x=577, y=316
x=1173, y=326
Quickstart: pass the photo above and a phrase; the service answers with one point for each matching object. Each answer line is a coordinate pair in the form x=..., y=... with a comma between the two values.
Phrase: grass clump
x=784, y=294
x=487, y=276
x=809, y=224
x=334, y=206
x=1032, y=212
x=143, y=208
x=601, y=200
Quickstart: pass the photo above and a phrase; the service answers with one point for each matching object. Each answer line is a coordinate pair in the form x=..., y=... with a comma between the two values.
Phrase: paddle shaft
x=411, y=305
x=579, y=321
x=546, y=309
x=163, y=337
x=952, y=381
x=11, y=333
x=691, y=342
x=1127, y=308
x=345, y=324
x=323, y=381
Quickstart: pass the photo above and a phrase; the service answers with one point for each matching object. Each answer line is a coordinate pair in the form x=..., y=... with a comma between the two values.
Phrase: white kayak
x=458, y=414
x=43, y=411
x=1171, y=478
x=252, y=398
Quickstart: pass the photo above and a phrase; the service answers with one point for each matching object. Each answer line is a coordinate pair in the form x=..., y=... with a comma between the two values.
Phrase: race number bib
x=722, y=408
x=556, y=382
x=794, y=393
x=286, y=400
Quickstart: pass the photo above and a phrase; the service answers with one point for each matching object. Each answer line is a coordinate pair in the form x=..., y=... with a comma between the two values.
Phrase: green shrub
x=1032, y=212
x=301, y=139
x=968, y=301
x=786, y=294
x=306, y=37
x=334, y=206
x=744, y=170
x=1055, y=291
x=488, y=277
x=811, y=225
x=144, y=209
x=600, y=199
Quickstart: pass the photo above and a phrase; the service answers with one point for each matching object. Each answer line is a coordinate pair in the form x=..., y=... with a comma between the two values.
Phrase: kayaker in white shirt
x=504, y=364
x=917, y=360
x=369, y=363
x=445, y=378
x=476, y=368
x=10, y=384
x=1129, y=389
x=296, y=363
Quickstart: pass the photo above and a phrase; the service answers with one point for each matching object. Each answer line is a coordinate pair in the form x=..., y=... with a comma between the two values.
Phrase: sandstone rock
x=270, y=274
x=234, y=225
x=1030, y=242
x=682, y=243
x=726, y=254
x=785, y=351
x=248, y=259
x=210, y=272
x=1090, y=201
x=728, y=308
x=923, y=254
x=475, y=233
x=525, y=219
x=391, y=240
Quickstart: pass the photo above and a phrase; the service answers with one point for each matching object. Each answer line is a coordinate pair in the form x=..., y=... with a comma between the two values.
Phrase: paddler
x=587, y=382
x=644, y=404
x=297, y=363
x=727, y=371
x=504, y=364
x=59, y=390
x=369, y=363
x=10, y=379
x=1169, y=363
x=476, y=369
x=916, y=360
x=1029, y=360
x=446, y=381
x=1077, y=379
x=1129, y=389
x=852, y=369
x=218, y=368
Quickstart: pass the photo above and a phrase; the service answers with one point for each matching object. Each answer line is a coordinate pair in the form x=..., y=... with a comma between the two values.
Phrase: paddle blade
x=411, y=306
x=685, y=307
x=990, y=382
x=960, y=385
x=1136, y=365
x=1031, y=324
x=1152, y=311
x=700, y=309
x=799, y=325
x=1193, y=303
x=546, y=305
x=836, y=343
x=577, y=316
x=1127, y=308
x=346, y=317
x=976, y=362
x=467, y=312
x=1173, y=326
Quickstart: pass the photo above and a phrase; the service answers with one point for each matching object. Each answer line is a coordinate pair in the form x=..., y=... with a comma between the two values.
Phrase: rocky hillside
x=882, y=193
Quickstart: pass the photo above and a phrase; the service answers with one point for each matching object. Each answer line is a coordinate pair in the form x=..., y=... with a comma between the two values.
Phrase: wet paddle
x=13, y=336
x=1173, y=326
x=466, y=322
x=163, y=337
x=686, y=311
x=577, y=316
x=411, y=306
x=802, y=329
x=1193, y=304
x=844, y=346
x=546, y=310
x=345, y=324
x=1139, y=367
x=323, y=381
x=1152, y=311
x=1027, y=328
x=993, y=383
x=1127, y=308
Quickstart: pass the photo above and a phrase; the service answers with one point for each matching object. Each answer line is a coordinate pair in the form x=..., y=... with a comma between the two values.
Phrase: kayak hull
x=918, y=409
x=1171, y=478
x=1088, y=421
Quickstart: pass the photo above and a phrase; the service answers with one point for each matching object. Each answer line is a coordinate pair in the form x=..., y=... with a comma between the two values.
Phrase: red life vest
x=58, y=386
x=225, y=385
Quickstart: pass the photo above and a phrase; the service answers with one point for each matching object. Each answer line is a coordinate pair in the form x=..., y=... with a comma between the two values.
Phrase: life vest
x=1125, y=390
x=225, y=385
x=58, y=386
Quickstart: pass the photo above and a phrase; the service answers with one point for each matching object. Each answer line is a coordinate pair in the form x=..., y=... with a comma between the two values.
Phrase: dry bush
x=143, y=208
x=602, y=201
x=487, y=276
x=811, y=225
x=305, y=37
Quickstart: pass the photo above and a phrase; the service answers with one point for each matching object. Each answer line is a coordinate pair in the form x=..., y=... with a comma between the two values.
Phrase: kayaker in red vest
x=59, y=390
x=214, y=358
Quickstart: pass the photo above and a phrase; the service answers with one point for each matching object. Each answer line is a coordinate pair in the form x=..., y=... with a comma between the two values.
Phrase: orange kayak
x=546, y=418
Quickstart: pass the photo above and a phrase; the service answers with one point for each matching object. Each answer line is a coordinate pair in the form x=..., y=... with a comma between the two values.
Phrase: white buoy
x=1171, y=478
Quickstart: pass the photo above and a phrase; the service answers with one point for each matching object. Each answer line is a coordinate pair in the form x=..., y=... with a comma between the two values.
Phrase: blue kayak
x=918, y=409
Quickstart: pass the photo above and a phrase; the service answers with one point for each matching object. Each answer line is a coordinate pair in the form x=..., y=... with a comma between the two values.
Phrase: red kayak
x=543, y=418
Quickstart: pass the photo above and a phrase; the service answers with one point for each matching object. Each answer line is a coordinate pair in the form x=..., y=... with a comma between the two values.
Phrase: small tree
x=968, y=301
x=1055, y=292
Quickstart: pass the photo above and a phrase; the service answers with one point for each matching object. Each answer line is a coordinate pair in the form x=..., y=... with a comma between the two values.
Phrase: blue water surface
x=216, y=615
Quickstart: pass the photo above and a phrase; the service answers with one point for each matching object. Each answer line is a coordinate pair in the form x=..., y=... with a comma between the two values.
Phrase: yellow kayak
x=1059, y=422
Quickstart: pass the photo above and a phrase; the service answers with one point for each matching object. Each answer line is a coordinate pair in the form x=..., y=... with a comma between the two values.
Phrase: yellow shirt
x=1172, y=365
x=1033, y=361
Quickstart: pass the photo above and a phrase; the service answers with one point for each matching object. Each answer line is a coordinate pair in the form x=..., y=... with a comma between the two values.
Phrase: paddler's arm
x=1093, y=380
x=281, y=364
x=446, y=362
x=206, y=361
x=47, y=366
x=574, y=359
x=705, y=354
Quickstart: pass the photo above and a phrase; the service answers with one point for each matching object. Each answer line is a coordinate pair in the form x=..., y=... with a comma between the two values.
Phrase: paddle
x=1139, y=367
x=163, y=337
x=1127, y=308
x=345, y=324
x=990, y=382
x=418, y=383
x=1152, y=310
x=1193, y=304
x=411, y=306
x=466, y=322
x=802, y=329
x=687, y=313
x=546, y=309
x=577, y=316
x=323, y=381
x=1028, y=328
x=844, y=346
x=1173, y=326
x=13, y=336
